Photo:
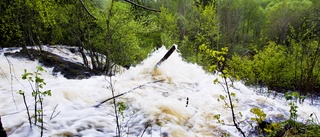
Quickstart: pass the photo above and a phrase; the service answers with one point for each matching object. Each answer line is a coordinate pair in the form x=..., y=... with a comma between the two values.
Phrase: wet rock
x=70, y=70
x=73, y=50
x=264, y=125
x=259, y=130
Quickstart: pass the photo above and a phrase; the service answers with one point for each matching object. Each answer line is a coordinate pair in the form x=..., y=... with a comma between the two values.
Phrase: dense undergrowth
x=293, y=66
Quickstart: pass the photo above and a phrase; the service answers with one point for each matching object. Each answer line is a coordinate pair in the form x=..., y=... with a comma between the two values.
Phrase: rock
x=265, y=124
x=70, y=70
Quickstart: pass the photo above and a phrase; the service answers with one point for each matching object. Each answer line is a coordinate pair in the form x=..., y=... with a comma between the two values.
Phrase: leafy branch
x=220, y=63
x=36, y=84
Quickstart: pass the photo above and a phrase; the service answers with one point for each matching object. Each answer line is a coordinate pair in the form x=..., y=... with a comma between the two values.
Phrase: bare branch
x=85, y=8
x=146, y=8
x=54, y=110
x=127, y=92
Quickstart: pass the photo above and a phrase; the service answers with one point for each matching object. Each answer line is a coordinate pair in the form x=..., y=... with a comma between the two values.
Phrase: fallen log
x=127, y=92
x=166, y=56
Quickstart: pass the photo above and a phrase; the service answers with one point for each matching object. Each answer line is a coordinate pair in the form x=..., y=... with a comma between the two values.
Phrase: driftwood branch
x=85, y=8
x=127, y=92
x=144, y=7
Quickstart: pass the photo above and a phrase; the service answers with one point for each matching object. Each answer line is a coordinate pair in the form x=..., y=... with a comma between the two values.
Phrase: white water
x=161, y=106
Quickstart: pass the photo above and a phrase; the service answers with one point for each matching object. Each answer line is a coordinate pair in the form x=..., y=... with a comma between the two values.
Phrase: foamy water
x=155, y=109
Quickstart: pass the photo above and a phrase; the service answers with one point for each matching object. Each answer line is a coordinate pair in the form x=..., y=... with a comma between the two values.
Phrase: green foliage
x=272, y=65
x=35, y=78
x=282, y=13
x=168, y=24
x=217, y=117
x=36, y=83
x=121, y=108
x=219, y=60
x=122, y=34
x=292, y=98
x=289, y=127
x=298, y=130
x=215, y=59
x=282, y=67
x=202, y=27
x=259, y=115
x=281, y=36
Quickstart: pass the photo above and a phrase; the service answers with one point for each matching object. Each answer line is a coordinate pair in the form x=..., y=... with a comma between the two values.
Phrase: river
x=182, y=105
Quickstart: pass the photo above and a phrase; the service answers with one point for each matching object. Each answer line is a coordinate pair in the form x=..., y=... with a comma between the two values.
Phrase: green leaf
x=21, y=92
x=34, y=93
x=295, y=94
x=40, y=68
x=122, y=106
x=40, y=120
x=233, y=94
x=216, y=81
x=222, y=97
x=288, y=96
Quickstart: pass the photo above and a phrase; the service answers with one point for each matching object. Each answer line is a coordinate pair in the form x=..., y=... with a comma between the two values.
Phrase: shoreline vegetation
x=271, y=43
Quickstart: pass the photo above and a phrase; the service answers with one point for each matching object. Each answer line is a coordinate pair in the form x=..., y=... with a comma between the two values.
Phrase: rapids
x=156, y=109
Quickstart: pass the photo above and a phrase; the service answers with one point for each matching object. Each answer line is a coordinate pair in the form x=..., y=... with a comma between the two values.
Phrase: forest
x=270, y=43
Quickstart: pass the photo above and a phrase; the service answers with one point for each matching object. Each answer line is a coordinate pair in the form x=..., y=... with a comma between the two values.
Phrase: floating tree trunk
x=166, y=56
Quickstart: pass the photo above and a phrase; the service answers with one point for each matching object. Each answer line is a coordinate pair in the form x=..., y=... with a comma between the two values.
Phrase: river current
x=182, y=104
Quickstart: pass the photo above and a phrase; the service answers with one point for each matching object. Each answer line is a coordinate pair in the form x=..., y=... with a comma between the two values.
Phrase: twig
x=85, y=8
x=127, y=124
x=115, y=107
x=231, y=107
x=4, y=74
x=135, y=4
x=145, y=128
x=11, y=80
x=28, y=112
x=127, y=92
x=54, y=110
x=315, y=115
